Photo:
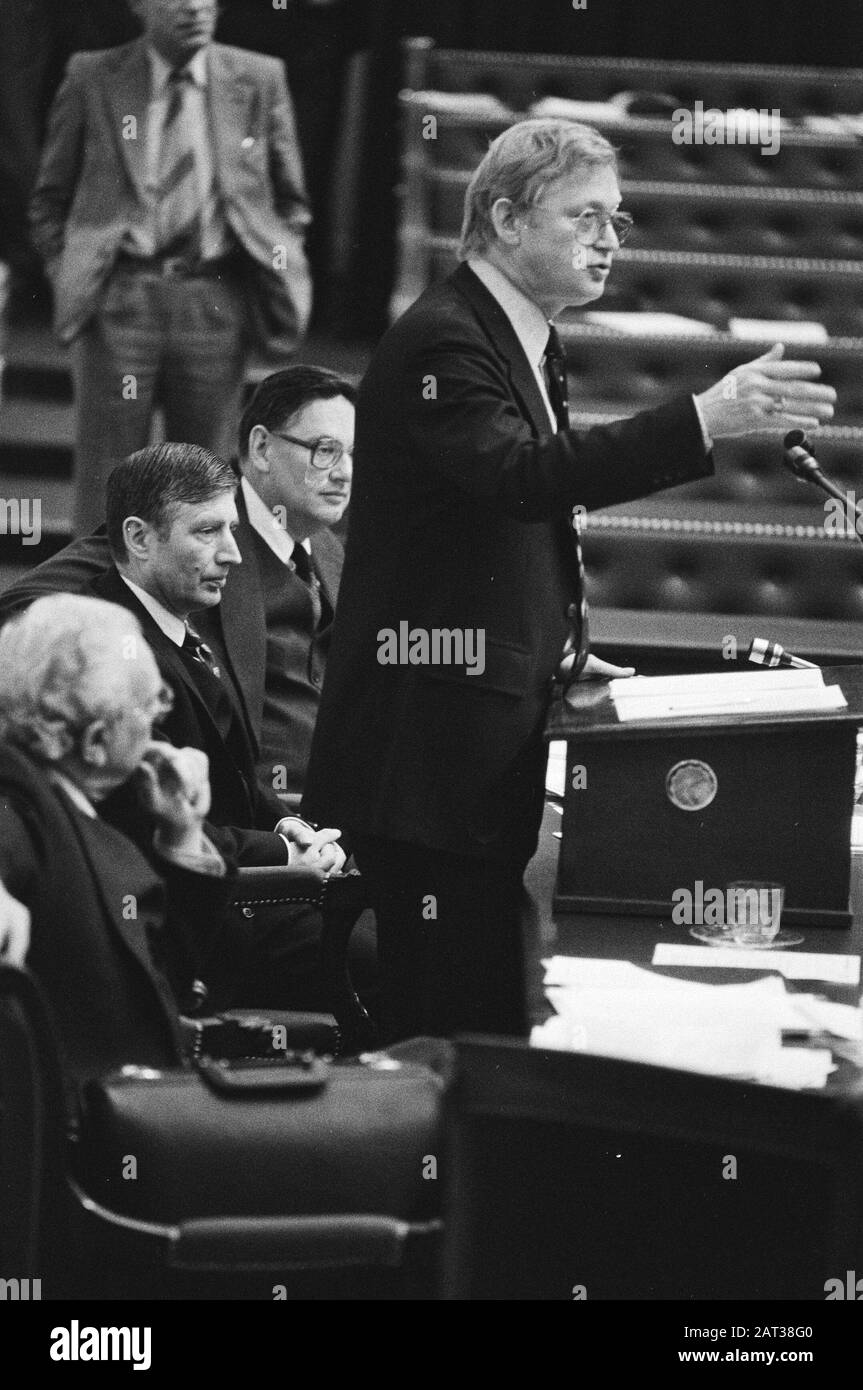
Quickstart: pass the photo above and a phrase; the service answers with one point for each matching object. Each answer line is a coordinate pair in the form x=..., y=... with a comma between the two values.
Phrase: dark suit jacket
x=236, y=628
x=460, y=518
x=239, y=801
x=91, y=183
x=109, y=929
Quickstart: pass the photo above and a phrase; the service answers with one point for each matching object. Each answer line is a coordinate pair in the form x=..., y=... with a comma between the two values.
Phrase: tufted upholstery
x=519, y=79
x=722, y=231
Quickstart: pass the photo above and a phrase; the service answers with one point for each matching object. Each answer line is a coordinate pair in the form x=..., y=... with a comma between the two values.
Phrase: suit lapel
x=114, y=893
x=128, y=94
x=327, y=561
x=111, y=587
x=231, y=96
x=503, y=339
x=243, y=620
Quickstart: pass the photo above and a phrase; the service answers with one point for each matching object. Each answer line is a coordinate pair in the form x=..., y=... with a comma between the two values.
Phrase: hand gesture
x=174, y=786
x=767, y=394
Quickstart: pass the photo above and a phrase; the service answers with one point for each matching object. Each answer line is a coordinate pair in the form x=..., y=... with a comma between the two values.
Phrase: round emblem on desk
x=691, y=785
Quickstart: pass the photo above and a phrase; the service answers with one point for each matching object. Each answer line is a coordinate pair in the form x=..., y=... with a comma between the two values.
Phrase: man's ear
x=506, y=221
x=257, y=449
x=92, y=743
x=137, y=535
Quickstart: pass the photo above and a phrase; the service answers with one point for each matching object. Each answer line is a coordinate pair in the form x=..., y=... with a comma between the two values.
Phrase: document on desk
x=732, y=692
x=612, y=1008
x=794, y=965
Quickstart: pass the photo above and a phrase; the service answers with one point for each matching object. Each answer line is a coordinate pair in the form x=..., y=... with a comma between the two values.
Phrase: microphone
x=799, y=459
x=764, y=653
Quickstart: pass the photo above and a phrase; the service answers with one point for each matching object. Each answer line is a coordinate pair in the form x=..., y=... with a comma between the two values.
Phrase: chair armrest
x=341, y=898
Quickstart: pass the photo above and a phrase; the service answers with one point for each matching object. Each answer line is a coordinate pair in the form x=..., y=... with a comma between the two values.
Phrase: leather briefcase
x=165, y=1146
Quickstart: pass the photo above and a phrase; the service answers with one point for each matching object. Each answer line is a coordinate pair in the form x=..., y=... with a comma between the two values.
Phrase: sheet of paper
x=743, y=682
x=762, y=702
x=794, y=965
x=733, y=692
x=555, y=768
x=823, y=1016
x=797, y=1068
x=590, y=970
x=777, y=331
x=646, y=321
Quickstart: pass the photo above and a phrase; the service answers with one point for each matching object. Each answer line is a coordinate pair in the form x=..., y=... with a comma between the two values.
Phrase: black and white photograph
x=431, y=671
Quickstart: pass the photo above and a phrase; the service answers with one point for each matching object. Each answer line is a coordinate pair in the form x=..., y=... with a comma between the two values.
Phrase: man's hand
x=767, y=394
x=312, y=849
x=595, y=669
x=14, y=929
x=174, y=785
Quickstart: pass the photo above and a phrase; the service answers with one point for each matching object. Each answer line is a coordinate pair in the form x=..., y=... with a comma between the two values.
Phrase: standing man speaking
x=466, y=474
x=170, y=211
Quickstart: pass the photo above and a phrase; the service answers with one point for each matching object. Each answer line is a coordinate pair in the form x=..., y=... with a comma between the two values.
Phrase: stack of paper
x=615, y=1009
x=732, y=692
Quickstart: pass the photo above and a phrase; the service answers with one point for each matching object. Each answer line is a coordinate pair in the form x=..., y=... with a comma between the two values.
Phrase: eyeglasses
x=325, y=452
x=589, y=226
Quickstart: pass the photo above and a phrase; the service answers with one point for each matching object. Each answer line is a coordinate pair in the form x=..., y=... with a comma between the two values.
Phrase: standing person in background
x=170, y=210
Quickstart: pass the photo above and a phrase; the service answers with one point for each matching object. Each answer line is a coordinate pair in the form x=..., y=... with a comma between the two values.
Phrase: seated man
x=273, y=626
x=113, y=933
x=170, y=517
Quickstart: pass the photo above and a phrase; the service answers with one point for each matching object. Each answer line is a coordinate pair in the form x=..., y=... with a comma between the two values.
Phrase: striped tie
x=179, y=197
x=555, y=376
x=197, y=648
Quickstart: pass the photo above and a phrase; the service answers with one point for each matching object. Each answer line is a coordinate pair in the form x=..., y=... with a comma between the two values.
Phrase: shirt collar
x=160, y=70
x=173, y=627
x=75, y=794
x=529, y=323
x=262, y=520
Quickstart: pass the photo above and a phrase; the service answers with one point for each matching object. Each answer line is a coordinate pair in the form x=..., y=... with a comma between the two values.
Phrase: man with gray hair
x=467, y=473
x=112, y=933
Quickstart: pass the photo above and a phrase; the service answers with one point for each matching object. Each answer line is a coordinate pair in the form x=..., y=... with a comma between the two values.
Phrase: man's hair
x=64, y=662
x=280, y=396
x=151, y=482
x=520, y=164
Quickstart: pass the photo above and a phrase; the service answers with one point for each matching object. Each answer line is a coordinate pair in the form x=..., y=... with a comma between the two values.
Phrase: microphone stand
x=804, y=467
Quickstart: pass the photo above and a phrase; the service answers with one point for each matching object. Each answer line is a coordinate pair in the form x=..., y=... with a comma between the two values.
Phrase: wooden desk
x=634, y=938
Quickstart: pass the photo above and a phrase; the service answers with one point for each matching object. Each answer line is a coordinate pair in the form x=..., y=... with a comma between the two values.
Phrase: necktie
x=179, y=194
x=302, y=563
x=200, y=652
x=555, y=377
x=558, y=394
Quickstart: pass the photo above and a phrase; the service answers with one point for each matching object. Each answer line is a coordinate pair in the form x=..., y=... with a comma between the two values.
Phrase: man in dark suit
x=463, y=585
x=273, y=626
x=113, y=933
x=170, y=211
x=170, y=520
